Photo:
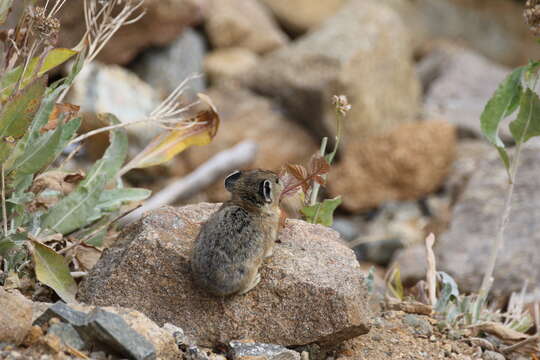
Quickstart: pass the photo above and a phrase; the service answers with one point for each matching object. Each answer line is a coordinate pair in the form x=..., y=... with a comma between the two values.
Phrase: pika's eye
x=277, y=180
x=266, y=191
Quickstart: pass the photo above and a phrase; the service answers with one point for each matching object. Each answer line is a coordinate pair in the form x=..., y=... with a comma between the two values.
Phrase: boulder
x=103, y=88
x=165, y=68
x=15, y=317
x=311, y=290
x=495, y=28
x=363, y=52
x=463, y=84
x=463, y=250
x=408, y=163
x=163, y=21
x=226, y=63
x=302, y=15
x=244, y=116
x=243, y=23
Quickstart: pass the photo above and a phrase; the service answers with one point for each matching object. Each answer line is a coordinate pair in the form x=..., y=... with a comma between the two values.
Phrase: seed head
x=45, y=27
x=342, y=104
x=532, y=15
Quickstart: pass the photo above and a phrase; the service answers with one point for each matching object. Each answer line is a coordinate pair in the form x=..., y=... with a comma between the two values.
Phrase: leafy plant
x=54, y=221
x=517, y=91
x=305, y=183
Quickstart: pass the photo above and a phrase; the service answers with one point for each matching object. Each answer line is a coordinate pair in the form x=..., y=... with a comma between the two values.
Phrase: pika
x=235, y=240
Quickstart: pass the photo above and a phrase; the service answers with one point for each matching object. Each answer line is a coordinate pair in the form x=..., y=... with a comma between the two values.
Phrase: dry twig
x=431, y=274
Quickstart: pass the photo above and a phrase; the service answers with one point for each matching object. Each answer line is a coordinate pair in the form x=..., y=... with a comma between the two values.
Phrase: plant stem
x=499, y=240
x=316, y=185
x=4, y=211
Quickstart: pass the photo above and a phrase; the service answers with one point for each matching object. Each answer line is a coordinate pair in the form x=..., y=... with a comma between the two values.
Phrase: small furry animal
x=232, y=244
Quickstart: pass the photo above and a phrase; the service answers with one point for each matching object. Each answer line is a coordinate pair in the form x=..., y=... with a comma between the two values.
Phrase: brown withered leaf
x=318, y=165
x=69, y=110
x=87, y=256
x=197, y=131
x=298, y=171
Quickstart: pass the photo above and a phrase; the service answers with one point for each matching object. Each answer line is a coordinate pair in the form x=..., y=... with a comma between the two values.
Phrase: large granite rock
x=364, y=52
x=406, y=164
x=463, y=83
x=163, y=21
x=463, y=250
x=312, y=289
x=243, y=23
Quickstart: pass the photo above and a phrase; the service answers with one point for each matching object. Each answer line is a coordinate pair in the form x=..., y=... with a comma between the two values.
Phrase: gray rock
x=179, y=336
x=363, y=51
x=420, y=325
x=15, y=316
x=312, y=289
x=492, y=355
x=463, y=250
x=246, y=350
x=67, y=334
x=465, y=82
x=165, y=68
x=109, y=330
x=63, y=312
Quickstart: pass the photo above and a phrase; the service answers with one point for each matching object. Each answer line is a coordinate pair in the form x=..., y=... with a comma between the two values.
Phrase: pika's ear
x=231, y=179
x=266, y=191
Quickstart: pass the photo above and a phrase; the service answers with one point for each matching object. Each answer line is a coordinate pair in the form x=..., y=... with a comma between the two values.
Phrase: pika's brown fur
x=232, y=244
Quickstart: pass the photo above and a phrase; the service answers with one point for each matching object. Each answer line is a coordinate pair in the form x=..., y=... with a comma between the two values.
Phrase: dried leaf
x=499, y=330
x=87, y=256
x=298, y=171
x=199, y=130
x=60, y=109
x=52, y=270
x=318, y=165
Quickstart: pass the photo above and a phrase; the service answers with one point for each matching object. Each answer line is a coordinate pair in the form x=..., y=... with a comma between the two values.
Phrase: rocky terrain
x=412, y=161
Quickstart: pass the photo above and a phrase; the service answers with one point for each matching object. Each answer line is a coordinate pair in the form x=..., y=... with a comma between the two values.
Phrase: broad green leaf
x=201, y=130
x=72, y=212
x=112, y=199
x=17, y=115
x=324, y=212
x=502, y=104
x=52, y=270
x=505, y=158
x=40, y=119
x=6, y=244
x=46, y=148
x=5, y=5
x=54, y=58
x=527, y=123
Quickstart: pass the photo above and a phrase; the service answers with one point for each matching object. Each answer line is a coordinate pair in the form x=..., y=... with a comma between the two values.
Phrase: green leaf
x=505, y=158
x=40, y=120
x=52, y=270
x=111, y=199
x=72, y=212
x=527, y=123
x=323, y=211
x=5, y=5
x=17, y=115
x=502, y=104
x=54, y=58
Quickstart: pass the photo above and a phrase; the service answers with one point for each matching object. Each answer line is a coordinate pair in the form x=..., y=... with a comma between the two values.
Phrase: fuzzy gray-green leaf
x=527, y=123
x=112, y=199
x=72, y=212
x=503, y=102
x=322, y=213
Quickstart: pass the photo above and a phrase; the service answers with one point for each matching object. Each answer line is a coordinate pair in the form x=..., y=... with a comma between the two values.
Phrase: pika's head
x=259, y=187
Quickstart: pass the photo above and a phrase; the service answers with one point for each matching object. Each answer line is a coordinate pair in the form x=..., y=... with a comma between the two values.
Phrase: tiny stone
x=421, y=325
x=67, y=334
x=492, y=355
x=252, y=350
